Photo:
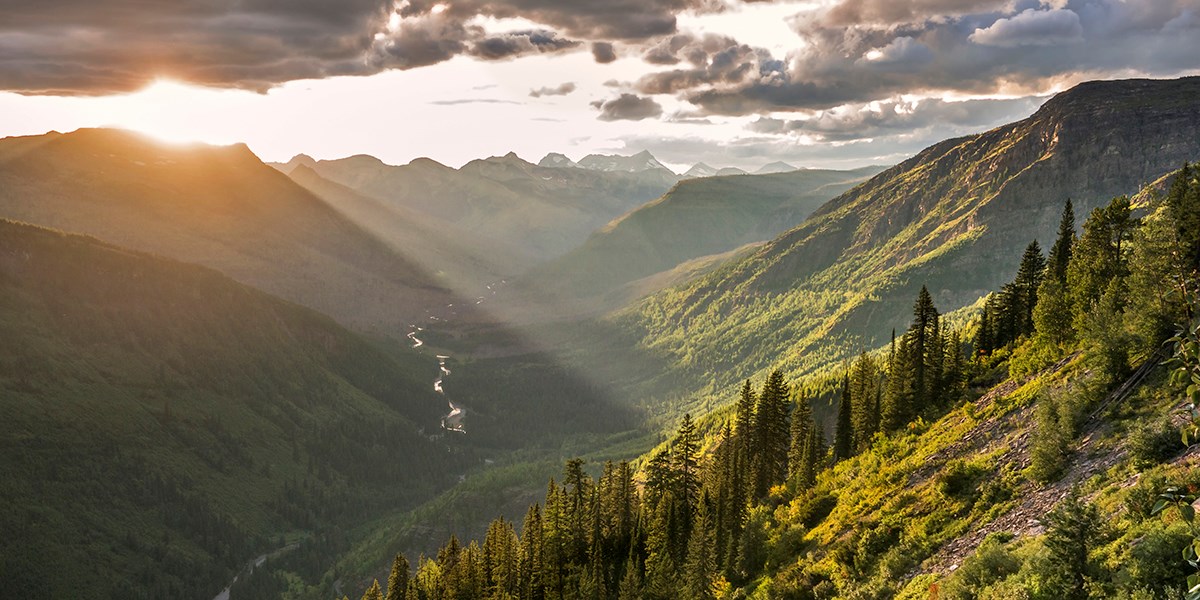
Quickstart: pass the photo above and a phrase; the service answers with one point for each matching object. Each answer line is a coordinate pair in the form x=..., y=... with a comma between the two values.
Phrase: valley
x=233, y=378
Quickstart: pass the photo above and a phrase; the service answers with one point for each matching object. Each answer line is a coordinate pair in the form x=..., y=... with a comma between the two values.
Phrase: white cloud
x=1032, y=28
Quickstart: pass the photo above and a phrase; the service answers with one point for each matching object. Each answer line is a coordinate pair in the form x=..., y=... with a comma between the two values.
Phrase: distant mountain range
x=527, y=212
x=644, y=161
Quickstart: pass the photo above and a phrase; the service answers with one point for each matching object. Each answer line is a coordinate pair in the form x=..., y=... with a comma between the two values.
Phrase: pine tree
x=843, y=435
x=770, y=425
x=897, y=408
x=684, y=451
x=1072, y=529
x=397, y=588
x=802, y=421
x=1027, y=282
x=864, y=390
x=701, y=566
x=1060, y=253
x=922, y=334
x=373, y=592
x=530, y=555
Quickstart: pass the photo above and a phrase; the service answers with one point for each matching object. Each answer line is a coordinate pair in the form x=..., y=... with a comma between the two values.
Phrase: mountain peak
x=642, y=161
x=556, y=160
x=775, y=167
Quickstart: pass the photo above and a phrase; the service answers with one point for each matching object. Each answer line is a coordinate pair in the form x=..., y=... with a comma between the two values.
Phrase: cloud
x=603, y=52
x=900, y=52
x=866, y=50
x=561, y=90
x=628, y=107
x=1032, y=28
x=459, y=101
x=926, y=118
x=86, y=47
x=516, y=43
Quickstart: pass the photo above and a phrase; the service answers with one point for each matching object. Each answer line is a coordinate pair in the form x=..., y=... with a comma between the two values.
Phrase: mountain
x=954, y=217
x=775, y=167
x=730, y=171
x=696, y=218
x=163, y=424
x=216, y=206
x=535, y=211
x=642, y=161
x=700, y=170
x=555, y=159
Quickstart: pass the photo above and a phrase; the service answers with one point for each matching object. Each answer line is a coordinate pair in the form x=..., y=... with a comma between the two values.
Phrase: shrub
x=960, y=479
x=1151, y=443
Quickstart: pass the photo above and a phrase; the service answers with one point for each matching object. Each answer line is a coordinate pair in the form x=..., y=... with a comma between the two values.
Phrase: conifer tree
x=684, y=451
x=530, y=555
x=843, y=435
x=1027, y=282
x=770, y=424
x=922, y=335
x=701, y=566
x=1060, y=253
x=897, y=401
x=802, y=421
x=397, y=588
x=864, y=390
x=373, y=592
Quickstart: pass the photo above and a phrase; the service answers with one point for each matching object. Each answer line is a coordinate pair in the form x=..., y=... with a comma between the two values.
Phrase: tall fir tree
x=1060, y=253
x=397, y=586
x=843, y=435
x=769, y=456
x=864, y=388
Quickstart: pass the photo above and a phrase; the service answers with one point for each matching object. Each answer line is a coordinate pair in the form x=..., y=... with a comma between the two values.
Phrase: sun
x=173, y=111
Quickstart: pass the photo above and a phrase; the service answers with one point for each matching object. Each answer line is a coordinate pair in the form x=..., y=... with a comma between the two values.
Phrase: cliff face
x=955, y=217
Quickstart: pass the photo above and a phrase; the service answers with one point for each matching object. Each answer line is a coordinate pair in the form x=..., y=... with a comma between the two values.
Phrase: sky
x=821, y=83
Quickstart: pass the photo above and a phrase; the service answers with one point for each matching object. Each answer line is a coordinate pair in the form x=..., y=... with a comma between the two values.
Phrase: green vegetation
x=163, y=423
x=913, y=470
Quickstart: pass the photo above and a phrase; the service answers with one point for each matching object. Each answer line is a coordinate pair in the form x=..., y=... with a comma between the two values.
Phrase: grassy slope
x=955, y=218
x=157, y=415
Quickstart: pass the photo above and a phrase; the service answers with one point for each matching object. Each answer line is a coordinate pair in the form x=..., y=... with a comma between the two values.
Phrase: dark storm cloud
x=88, y=47
x=560, y=90
x=865, y=50
x=628, y=107
x=81, y=46
x=603, y=52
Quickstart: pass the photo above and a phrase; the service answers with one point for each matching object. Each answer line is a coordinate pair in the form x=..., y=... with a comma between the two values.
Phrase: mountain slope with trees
x=163, y=424
x=696, y=218
x=955, y=218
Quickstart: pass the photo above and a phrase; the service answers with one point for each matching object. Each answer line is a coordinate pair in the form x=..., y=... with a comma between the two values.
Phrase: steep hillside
x=163, y=423
x=216, y=206
x=954, y=217
x=541, y=211
x=698, y=217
